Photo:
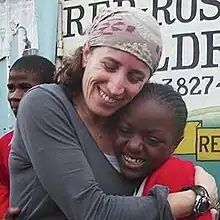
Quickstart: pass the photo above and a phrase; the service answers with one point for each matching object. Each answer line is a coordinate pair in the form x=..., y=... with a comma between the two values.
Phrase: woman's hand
x=11, y=214
x=182, y=203
x=204, y=179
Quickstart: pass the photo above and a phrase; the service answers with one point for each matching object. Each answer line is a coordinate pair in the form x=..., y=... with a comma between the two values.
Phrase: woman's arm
x=204, y=179
x=181, y=203
x=49, y=137
x=47, y=134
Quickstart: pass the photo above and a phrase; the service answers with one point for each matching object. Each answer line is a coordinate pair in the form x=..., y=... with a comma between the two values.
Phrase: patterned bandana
x=128, y=29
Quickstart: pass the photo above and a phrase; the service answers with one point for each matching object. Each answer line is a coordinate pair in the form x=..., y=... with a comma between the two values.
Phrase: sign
x=17, y=16
x=190, y=61
x=4, y=49
x=200, y=141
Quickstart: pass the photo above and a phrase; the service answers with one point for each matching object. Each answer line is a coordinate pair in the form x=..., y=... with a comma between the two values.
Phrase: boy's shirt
x=175, y=174
x=5, y=146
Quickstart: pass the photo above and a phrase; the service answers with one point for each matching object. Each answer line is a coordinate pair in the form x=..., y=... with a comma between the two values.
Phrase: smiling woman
x=111, y=79
x=59, y=165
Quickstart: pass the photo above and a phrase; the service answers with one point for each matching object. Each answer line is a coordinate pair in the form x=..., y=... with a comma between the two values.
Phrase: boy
x=26, y=72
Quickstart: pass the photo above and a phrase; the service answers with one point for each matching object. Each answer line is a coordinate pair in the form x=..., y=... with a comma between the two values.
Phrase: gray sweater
x=58, y=172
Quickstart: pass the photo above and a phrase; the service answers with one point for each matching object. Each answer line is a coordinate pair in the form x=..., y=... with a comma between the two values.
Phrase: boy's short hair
x=39, y=66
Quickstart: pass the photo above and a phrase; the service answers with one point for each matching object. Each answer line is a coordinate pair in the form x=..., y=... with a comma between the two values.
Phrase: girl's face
x=145, y=137
x=112, y=78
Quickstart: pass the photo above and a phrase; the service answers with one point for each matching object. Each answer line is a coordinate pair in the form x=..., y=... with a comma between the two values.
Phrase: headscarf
x=128, y=29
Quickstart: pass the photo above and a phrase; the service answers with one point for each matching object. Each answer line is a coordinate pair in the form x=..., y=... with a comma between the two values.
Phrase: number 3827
x=193, y=86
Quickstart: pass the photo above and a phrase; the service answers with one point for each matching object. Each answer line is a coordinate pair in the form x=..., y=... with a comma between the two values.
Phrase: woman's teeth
x=105, y=97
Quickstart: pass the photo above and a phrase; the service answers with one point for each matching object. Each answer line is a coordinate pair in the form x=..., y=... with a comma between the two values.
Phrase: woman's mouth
x=105, y=97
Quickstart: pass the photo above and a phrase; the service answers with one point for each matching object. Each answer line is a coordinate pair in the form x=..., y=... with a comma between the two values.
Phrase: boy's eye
x=10, y=87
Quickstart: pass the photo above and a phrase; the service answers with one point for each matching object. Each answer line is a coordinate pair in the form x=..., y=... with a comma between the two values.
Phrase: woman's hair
x=166, y=96
x=128, y=29
x=70, y=75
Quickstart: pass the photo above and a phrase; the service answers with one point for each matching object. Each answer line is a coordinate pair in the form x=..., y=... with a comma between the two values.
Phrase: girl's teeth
x=133, y=160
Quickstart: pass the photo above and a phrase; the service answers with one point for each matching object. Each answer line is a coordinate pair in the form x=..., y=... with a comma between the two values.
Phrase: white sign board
x=190, y=62
x=16, y=15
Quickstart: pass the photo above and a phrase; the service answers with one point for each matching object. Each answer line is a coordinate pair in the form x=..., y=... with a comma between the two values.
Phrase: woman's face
x=112, y=78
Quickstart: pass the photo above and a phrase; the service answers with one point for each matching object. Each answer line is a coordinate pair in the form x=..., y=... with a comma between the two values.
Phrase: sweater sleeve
x=62, y=168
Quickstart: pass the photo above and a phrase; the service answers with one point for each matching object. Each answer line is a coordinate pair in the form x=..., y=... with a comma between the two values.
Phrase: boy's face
x=145, y=138
x=19, y=82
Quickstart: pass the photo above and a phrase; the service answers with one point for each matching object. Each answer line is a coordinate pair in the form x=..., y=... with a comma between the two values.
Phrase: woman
x=58, y=160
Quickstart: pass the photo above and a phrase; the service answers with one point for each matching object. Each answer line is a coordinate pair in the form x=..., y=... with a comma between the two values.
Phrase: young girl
x=148, y=131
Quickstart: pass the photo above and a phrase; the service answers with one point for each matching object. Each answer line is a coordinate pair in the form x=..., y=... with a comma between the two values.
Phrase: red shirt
x=175, y=174
x=5, y=143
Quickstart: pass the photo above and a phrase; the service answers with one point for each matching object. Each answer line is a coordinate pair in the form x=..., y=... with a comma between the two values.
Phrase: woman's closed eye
x=134, y=77
x=109, y=66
